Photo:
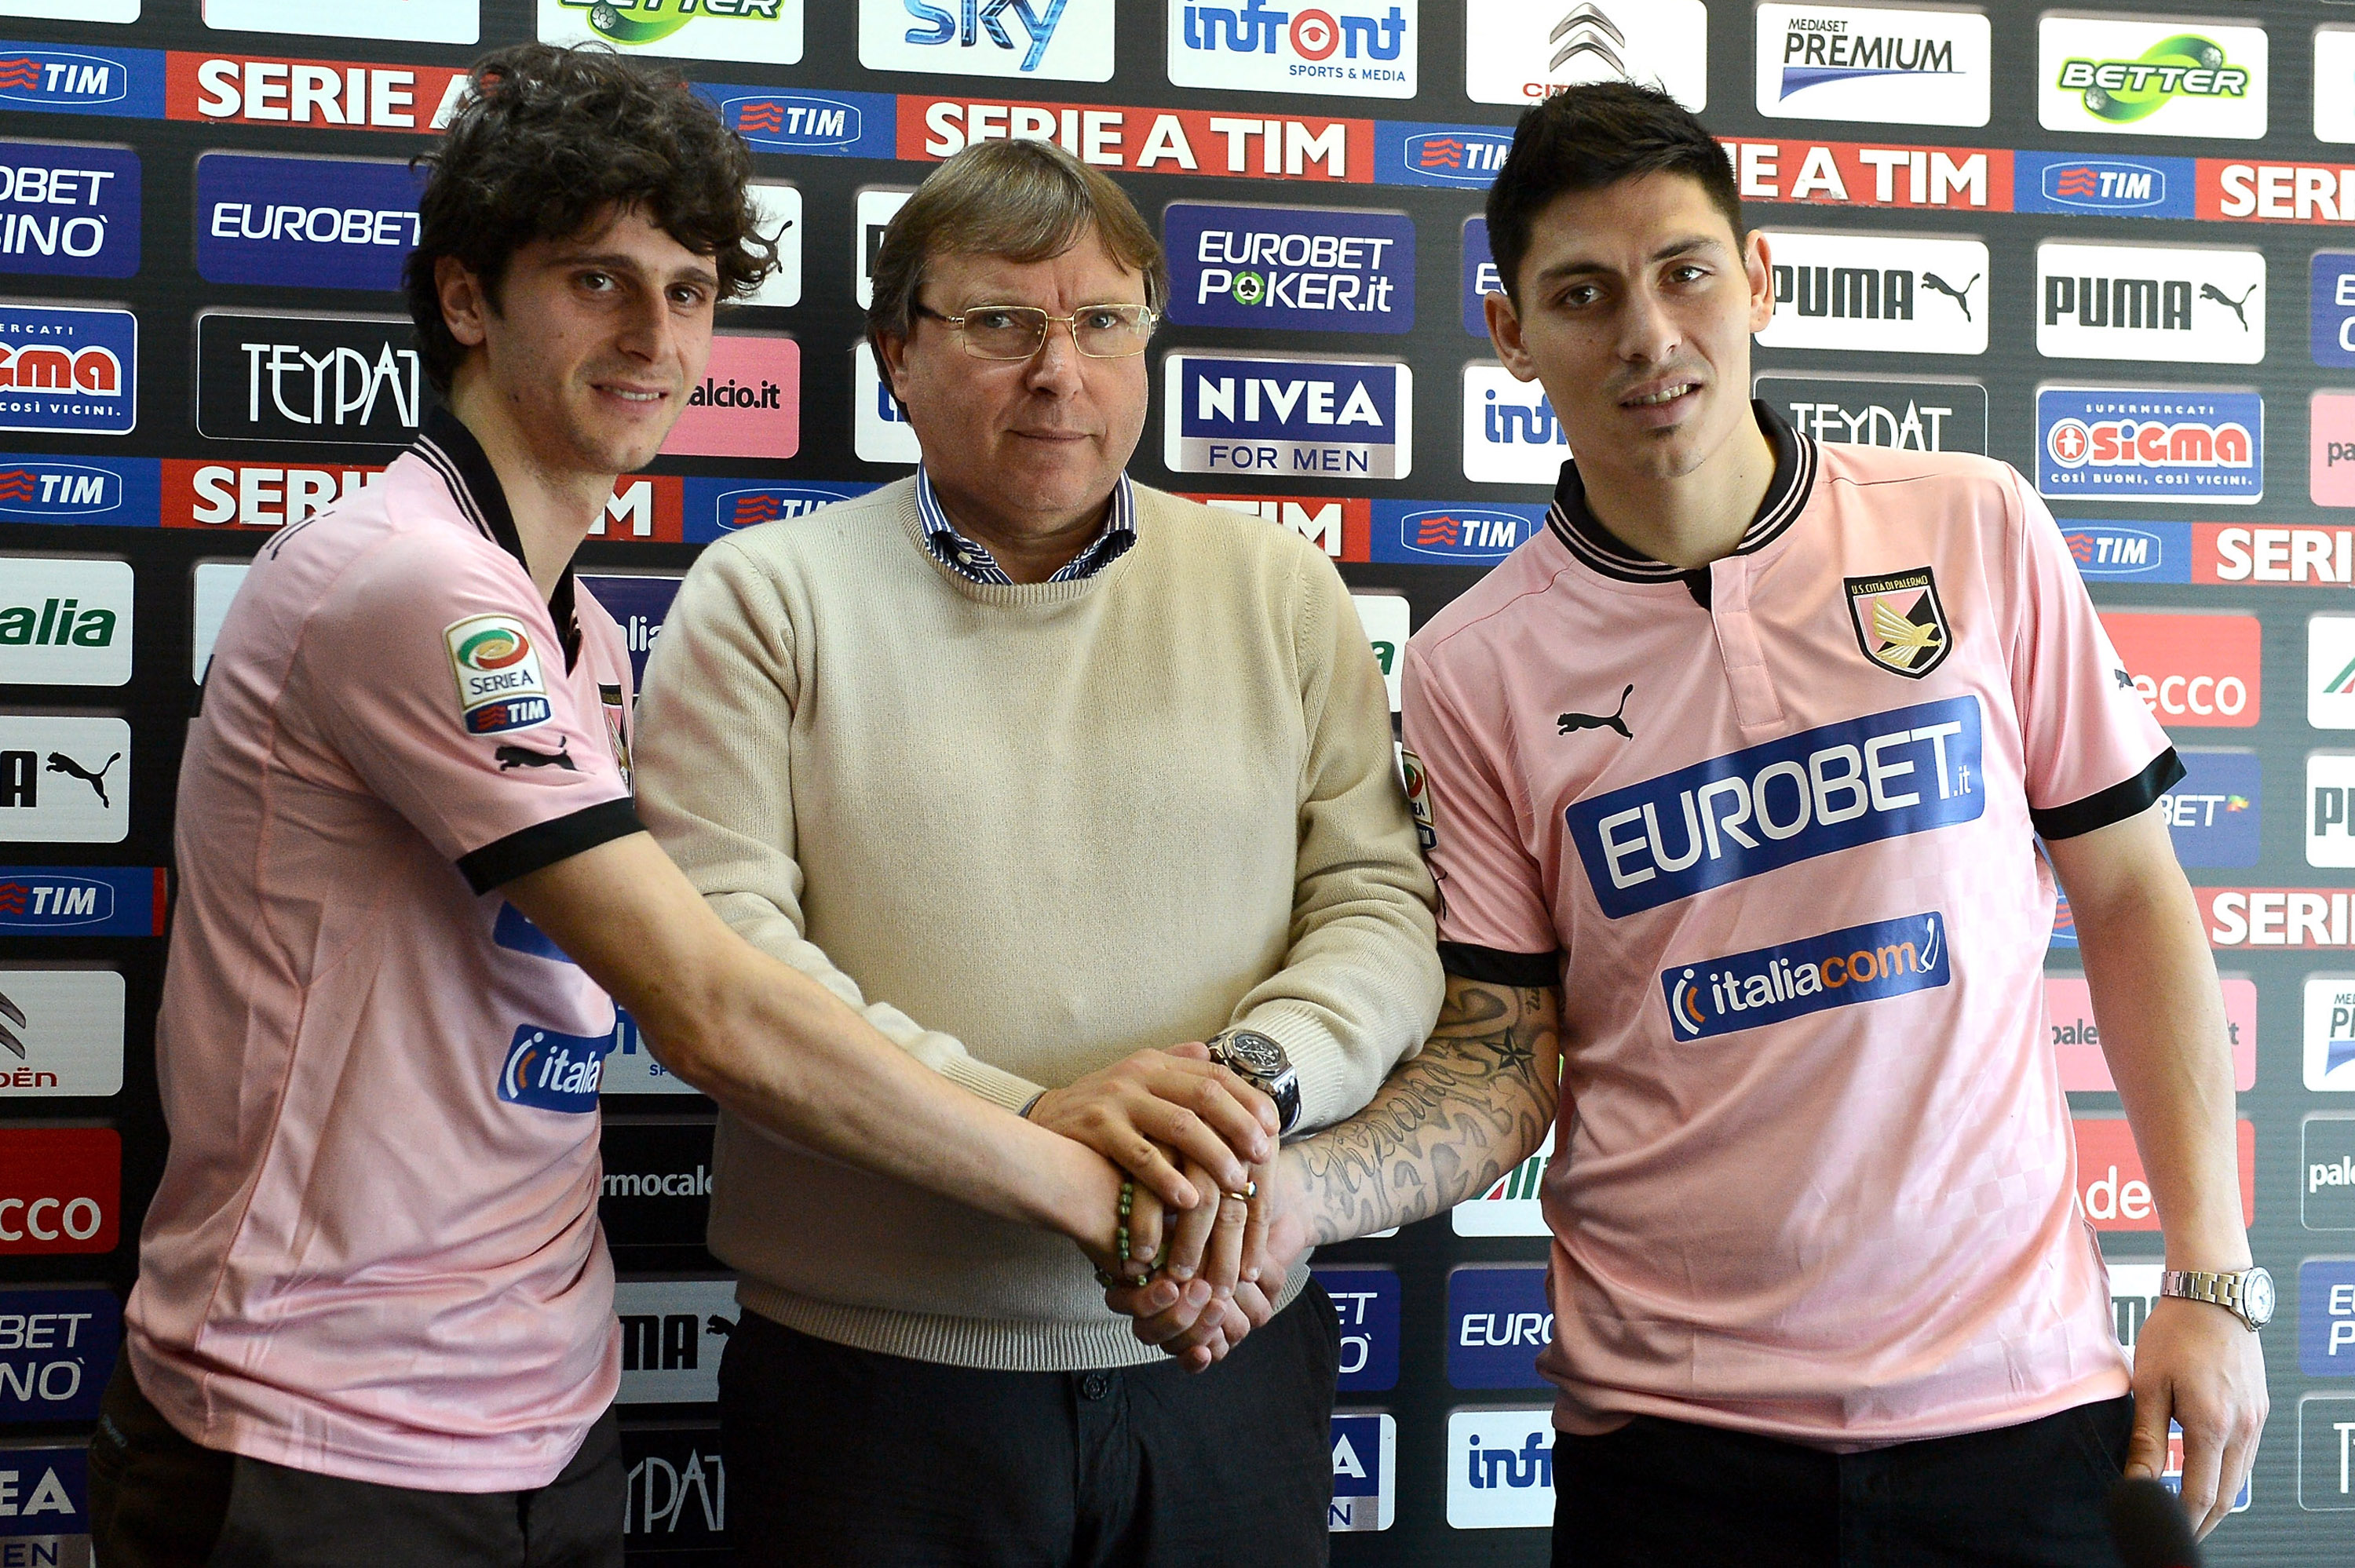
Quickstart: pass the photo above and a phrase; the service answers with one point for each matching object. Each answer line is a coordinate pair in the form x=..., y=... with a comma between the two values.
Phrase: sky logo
x=1365, y=1472
x=1498, y=1321
x=1267, y=416
x=123, y=83
x=1020, y=38
x=1478, y=534
x=87, y=901
x=2124, y=188
x=1366, y=1302
x=552, y=1071
x=1774, y=985
x=125, y=491
x=2094, y=443
x=1465, y=156
x=1905, y=772
x=832, y=125
x=2147, y=552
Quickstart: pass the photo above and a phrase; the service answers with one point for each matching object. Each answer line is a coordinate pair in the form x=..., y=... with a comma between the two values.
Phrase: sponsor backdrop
x=2097, y=244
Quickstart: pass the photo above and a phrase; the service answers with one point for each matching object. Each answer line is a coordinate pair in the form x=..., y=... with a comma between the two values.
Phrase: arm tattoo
x=1445, y=1126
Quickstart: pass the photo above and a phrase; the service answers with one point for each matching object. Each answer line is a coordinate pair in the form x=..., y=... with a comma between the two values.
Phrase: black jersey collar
x=1787, y=496
x=452, y=449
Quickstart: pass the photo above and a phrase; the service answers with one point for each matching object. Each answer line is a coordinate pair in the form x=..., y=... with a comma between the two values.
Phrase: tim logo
x=717, y=507
x=1909, y=770
x=126, y=82
x=2132, y=188
x=2117, y=550
x=1462, y=155
x=1774, y=985
x=846, y=125
x=42, y=490
x=101, y=901
x=552, y=1071
x=1478, y=536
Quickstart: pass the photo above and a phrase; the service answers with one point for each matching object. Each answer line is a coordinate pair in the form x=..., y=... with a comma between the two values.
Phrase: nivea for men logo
x=123, y=83
x=832, y=125
x=334, y=223
x=552, y=1071
x=64, y=369
x=1365, y=49
x=1287, y=416
x=1465, y=157
x=2127, y=187
x=1309, y=268
x=68, y=210
x=2095, y=443
x=1905, y=772
x=1791, y=980
x=1477, y=535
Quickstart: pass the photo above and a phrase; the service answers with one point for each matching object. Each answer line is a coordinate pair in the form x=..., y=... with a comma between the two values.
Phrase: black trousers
x=839, y=1456
x=1664, y=1493
x=158, y=1501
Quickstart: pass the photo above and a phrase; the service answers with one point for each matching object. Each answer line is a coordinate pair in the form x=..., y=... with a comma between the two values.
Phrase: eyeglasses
x=1018, y=332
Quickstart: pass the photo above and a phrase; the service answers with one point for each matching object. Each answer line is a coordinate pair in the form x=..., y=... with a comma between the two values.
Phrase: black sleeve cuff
x=1494, y=966
x=542, y=845
x=2114, y=804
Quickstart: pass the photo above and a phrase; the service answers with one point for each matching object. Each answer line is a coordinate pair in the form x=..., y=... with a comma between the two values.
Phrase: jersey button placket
x=1755, y=704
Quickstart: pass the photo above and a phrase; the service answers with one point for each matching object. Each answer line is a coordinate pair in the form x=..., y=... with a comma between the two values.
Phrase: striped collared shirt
x=976, y=563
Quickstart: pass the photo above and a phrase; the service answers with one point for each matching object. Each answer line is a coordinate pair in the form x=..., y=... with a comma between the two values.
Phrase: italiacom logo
x=553, y=1071
x=1791, y=980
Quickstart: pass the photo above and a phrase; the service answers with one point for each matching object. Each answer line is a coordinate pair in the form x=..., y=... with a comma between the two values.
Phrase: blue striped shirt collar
x=972, y=561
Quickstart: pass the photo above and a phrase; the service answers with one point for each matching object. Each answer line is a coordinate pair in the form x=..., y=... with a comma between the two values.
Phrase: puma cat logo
x=1612, y=720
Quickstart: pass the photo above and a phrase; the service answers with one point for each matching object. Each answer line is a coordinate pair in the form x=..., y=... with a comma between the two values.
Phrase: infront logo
x=1363, y=48
x=1500, y=1469
x=1908, y=770
x=1512, y=433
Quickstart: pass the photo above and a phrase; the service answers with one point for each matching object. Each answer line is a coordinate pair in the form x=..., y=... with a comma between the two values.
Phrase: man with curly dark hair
x=373, y=1322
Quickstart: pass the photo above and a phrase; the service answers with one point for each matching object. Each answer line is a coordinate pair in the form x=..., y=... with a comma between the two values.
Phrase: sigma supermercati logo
x=308, y=379
x=2145, y=301
x=1321, y=269
x=765, y=30
x=1268, y=416
x=1518, y=51
x=2094, y=443
x=2122, y=187
x=1063, y=40
x=66, y=621
x=1791, y=980
x=828, y=125
x=1465, y=156
x=2130, y=77
x=65, y=369
x=68, y=210
x=1890, y=67
x=1914, y=416
x=1883, y=295
x=1768, y=806
x=119, y=83
x=334, y=223
x=1362, y=48
x=553, y=1071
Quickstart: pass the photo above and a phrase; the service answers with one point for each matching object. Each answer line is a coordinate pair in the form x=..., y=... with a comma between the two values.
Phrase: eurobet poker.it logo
x=1324, y=268
x=1360, y=48
x=499, y=684
x=2137, y=78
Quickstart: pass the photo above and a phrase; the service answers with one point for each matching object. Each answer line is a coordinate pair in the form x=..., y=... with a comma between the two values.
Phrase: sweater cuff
x=1325, y=1069
x=992, y=1084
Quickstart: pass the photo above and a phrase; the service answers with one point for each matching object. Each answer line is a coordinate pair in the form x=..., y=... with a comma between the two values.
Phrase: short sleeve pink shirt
x=375, y=1250
x=1772, y=827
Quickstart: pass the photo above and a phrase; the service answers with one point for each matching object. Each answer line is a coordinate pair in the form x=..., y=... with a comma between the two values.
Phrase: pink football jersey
x=375, y=1252
x=1772, y=827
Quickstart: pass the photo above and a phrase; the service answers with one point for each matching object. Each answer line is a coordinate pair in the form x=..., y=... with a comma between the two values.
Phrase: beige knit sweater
x=1028, y=830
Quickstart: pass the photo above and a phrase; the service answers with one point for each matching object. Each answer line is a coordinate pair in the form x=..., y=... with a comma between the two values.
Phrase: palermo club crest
x=1900, y=621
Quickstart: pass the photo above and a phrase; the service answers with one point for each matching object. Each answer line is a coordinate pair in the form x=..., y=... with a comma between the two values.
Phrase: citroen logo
x=1587, y=31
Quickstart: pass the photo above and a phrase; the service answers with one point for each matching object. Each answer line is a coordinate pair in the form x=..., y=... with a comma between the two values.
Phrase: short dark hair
x=549, y=143
x=1585, y=138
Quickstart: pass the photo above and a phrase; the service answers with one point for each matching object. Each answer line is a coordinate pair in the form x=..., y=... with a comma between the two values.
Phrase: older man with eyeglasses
x=1085, y=795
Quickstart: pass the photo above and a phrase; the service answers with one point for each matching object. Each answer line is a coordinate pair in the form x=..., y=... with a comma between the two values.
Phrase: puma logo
x=1612, y=720
x=1961, y=296
x=2210, y=291
x=513, y=756
x=60, y=763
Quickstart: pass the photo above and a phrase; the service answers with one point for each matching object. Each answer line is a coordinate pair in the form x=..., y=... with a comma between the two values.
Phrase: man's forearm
x=2161, y=1017
x=1445, y=1126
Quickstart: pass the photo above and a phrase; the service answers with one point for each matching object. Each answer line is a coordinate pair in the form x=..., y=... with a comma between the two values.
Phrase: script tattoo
x=1446, y=1126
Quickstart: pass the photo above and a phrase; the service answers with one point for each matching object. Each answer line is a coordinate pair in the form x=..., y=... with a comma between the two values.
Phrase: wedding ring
x=1251, y=1190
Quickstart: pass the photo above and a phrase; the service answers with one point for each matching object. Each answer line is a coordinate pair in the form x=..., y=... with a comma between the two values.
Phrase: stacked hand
x=1203, y=1227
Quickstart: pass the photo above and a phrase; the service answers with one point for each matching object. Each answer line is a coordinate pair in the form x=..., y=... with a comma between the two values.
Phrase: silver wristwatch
x=2247, y=1294
x=1260, y=1063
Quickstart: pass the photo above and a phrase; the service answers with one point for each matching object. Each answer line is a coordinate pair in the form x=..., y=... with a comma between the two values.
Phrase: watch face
x=1256, y=1054
x=2257, y=1295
